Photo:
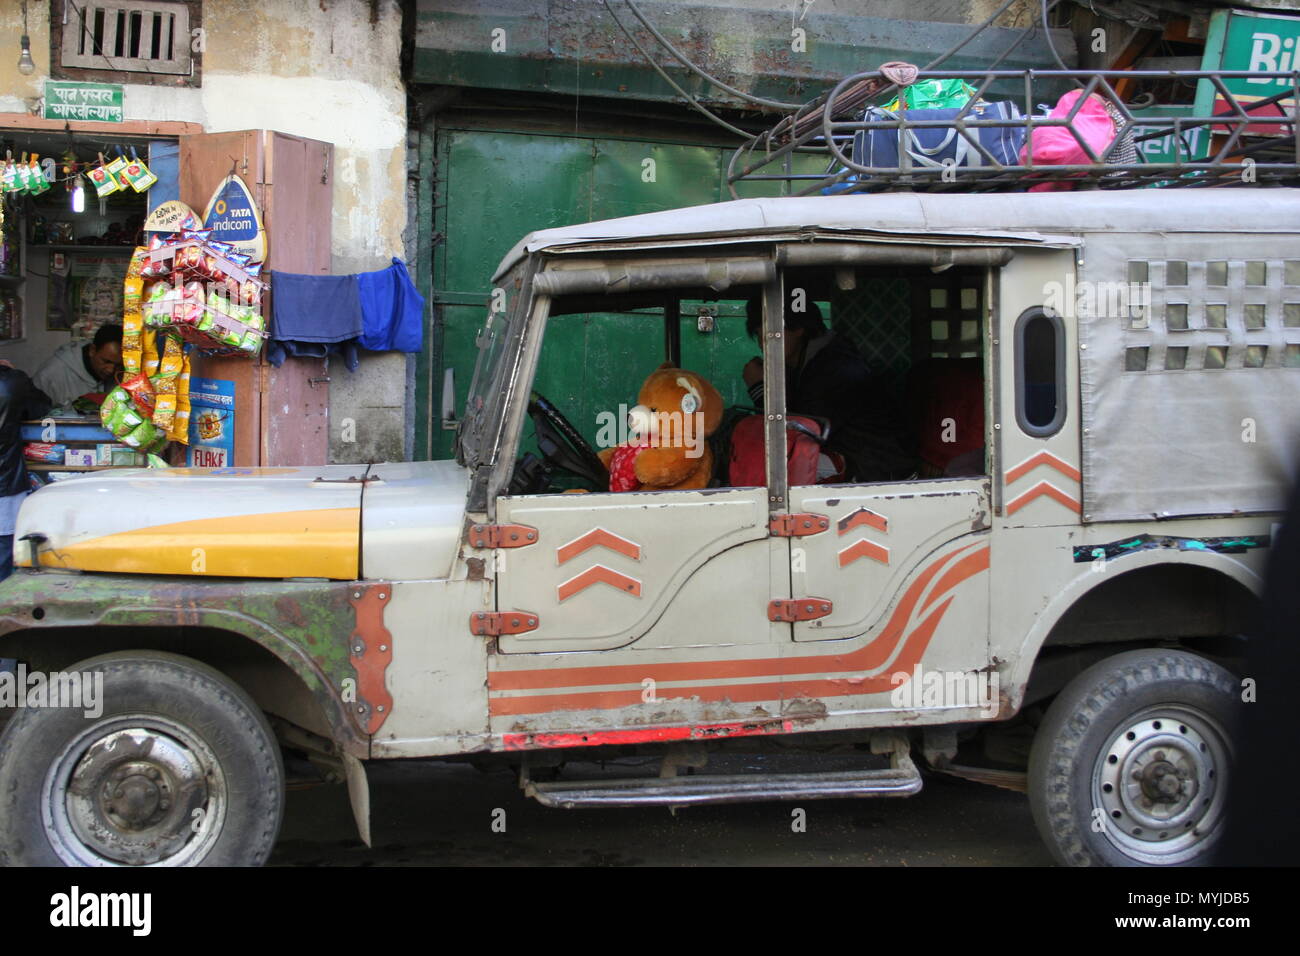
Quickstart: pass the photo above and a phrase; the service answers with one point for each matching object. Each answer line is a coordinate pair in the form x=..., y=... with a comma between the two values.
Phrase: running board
x=700, y=789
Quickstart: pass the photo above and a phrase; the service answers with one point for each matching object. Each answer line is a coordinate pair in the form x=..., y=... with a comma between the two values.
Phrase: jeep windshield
x=504, y=324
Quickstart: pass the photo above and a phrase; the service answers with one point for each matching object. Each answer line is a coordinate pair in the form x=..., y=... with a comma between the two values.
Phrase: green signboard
x=1259, y=42
x=1195, y=142
x=99, y=102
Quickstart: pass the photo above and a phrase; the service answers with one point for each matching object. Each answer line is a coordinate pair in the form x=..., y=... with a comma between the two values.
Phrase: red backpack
x=802, y=449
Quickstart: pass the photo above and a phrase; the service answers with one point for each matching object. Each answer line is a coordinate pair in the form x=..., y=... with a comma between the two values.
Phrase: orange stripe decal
x=599, y=574
x=598, y=538
x=863, y=549
x=863, y=518
x=865, y=659
x=1042, y=458
x=912, y=652
x=969, y=566
x=1040, y=489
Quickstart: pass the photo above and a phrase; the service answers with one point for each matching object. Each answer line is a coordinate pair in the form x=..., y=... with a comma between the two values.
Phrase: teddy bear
x=676, y=412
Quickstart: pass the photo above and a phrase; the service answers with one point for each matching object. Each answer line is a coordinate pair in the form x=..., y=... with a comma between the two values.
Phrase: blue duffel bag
x=936, y=146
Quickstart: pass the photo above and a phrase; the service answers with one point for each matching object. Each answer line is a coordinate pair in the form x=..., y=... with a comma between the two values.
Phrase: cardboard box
x=80, y=457
x=104, y=453
x=124, y=457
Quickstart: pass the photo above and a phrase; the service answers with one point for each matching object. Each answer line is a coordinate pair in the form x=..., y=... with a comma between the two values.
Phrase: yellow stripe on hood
x=322, y=543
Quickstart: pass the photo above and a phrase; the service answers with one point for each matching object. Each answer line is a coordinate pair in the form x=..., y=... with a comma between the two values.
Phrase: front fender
x=307, y=625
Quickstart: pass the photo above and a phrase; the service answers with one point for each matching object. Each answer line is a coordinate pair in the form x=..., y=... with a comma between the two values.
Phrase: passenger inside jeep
x=884, y=377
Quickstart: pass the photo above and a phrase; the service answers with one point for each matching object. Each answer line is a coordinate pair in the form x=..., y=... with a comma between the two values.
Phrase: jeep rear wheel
x=1130, y=765
x=179, y=769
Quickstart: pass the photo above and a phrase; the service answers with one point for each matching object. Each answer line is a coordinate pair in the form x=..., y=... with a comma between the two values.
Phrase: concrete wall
x=315, y=68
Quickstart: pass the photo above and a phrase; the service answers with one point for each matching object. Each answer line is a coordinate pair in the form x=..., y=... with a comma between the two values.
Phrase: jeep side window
x=1040, y=372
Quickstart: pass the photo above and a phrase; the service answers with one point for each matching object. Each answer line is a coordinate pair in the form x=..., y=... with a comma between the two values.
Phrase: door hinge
x=501, y=536
x=797, y=525
x=493, y=623
x=798, y=609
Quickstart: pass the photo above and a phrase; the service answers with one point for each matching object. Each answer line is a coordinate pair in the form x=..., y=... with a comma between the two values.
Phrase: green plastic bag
x=934, y=95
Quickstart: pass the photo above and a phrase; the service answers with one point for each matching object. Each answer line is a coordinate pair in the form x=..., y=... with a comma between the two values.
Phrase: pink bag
x=1057, y=146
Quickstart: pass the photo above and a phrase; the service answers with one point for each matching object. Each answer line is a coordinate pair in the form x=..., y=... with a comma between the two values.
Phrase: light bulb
x=26, y=65
x=78, y=197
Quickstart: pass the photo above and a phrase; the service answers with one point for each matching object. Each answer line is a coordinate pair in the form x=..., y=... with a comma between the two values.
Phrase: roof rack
x=1252, y=139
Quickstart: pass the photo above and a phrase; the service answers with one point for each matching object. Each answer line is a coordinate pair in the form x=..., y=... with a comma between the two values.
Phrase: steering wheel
x=562, y=445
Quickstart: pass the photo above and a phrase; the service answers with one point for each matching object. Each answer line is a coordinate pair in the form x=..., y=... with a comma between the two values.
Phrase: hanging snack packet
x=135, y=268
x=123, y=420
x=116, y=399
x=150, y=269
x=141, y=436
x=115, y=169
x=158, y=305
x=164, y=383
x=252, y=341
x=180, y=430
x=132, y=291
x=149, y=362
x=142, y=393
x=103, y=181
x=36, y=176
x=138, y=175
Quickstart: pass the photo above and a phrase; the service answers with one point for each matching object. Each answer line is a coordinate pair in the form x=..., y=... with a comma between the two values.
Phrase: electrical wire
x=1047, y=35
x=671, y=82
x=757, y=100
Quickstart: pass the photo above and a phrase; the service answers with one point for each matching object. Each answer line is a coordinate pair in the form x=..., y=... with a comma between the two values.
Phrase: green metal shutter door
x=496, y=187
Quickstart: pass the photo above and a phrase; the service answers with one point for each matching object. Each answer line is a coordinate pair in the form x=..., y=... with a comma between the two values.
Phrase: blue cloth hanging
x=315, y=316
x=392, y=310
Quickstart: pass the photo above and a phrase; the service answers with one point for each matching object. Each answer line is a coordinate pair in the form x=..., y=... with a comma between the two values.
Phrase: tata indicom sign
x=1259, y=43
x=233, y=217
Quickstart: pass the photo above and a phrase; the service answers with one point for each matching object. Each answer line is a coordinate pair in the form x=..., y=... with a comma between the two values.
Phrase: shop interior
x=63, y=263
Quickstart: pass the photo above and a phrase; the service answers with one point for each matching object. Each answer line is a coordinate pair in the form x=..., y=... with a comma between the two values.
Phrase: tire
x=1131, y=763
x=179, y=769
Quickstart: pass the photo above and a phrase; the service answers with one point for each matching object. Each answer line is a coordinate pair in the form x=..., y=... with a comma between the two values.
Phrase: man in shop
x=20, y=400
x=76, y=369
x=827, y=377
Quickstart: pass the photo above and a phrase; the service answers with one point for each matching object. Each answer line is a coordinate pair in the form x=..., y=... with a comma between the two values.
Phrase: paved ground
x=427, y=813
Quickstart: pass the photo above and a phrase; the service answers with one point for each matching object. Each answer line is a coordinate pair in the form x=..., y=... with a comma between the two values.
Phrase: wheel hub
x=134, y=796
x=1160, y=782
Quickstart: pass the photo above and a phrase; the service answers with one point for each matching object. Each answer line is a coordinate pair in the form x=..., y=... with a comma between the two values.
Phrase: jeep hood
x=394, y=521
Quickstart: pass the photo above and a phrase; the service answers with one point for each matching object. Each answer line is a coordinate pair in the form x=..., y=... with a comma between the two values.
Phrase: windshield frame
x=498, y=342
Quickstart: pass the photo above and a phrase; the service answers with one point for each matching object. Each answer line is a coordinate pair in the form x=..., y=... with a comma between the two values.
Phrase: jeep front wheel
x=174, y=765
x=1130, y=764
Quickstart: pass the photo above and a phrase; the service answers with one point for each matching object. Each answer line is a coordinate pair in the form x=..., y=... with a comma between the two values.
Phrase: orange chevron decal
x=599, y=574
x=864, y=549
x=1042, y=458
x=866, y=659
x=860, y=518
x=598, y=537
x=1040, y=489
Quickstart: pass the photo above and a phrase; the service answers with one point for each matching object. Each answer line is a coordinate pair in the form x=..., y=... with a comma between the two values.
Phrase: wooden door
x=282, y=415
